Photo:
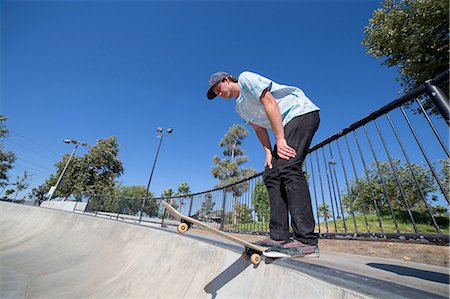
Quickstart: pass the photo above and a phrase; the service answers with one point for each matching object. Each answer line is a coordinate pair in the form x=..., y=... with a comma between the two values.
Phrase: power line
x=30, y=168
x=30, y=184
x=35, y=164
x=33, y=181
x=31, y=175
x=33, y=178
x=38, y=144
x=25, y=147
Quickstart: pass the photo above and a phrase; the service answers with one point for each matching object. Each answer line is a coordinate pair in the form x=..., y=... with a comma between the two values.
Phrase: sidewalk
x=387, y=273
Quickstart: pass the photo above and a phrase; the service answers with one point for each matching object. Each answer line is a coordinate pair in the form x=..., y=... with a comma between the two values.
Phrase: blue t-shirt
x=291, y=100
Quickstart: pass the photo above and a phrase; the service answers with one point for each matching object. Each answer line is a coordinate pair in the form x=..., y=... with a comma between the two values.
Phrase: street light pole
x=77, y=143
x=161, y=137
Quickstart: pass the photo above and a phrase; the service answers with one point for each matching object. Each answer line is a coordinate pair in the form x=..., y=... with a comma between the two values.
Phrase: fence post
x=163, y=214
x=222, y=217
x=439, y=99
x=190, y=205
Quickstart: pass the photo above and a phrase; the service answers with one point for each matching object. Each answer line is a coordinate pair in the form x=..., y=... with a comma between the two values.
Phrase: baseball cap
x=215, y=78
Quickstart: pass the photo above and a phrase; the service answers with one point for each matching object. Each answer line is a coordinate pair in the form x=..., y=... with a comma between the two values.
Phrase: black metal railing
x=385, y=176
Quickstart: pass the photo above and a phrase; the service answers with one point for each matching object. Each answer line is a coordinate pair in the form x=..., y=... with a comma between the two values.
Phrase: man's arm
x=263, y=137
x=273, y=113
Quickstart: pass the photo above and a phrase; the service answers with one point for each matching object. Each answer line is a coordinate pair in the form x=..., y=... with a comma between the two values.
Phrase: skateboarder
x=293, y=119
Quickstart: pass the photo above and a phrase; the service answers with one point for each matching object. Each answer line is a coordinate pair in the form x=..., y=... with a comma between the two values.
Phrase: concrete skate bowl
x=54, y=254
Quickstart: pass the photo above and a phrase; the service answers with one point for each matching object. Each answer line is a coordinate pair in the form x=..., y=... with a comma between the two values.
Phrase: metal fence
x=385, y=176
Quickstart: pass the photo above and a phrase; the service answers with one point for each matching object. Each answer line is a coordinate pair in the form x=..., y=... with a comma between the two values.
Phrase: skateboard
x=252, y=251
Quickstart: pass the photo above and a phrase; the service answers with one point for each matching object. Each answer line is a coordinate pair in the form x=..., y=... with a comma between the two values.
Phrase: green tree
x=21, y=183
x=7, y=159
x=70, y=184
x=363, y=192
x=167, y=196
x=324, y=211
x=243, y=213
x=129, y=199
x=103, y=166
x=38, y=195
x=228, y=170
x=206, y=210
x=440, y=210
x=445, y=175
x=167, y=193
x=7, y=193
x=183, y=191
x=137, y=191
x=93, y=175
x=261, y=201
x=412, y=35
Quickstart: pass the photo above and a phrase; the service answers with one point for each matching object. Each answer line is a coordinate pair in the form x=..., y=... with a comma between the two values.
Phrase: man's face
x=223, y=88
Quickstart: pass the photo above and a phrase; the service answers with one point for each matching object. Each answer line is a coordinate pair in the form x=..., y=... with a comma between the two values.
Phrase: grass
x=423, y=224
x=404, y=223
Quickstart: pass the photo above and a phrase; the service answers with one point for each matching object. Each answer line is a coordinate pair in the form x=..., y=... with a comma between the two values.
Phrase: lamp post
x=160, y=136
x=68, y=141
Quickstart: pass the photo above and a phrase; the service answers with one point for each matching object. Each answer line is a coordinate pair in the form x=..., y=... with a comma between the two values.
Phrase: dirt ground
x=419, y=253
x=437, y=255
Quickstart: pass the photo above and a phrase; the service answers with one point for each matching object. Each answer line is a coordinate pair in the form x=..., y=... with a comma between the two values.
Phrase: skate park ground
x=47, y=253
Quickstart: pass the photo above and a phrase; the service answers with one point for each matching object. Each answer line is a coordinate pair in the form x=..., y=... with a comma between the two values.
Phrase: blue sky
x=92, y=69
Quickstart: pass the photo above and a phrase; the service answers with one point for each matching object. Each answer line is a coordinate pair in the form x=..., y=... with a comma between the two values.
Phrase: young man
x=294, y=119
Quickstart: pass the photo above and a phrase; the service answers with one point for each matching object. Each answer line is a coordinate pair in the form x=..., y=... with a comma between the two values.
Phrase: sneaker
x=269, y=242
x=292, y=248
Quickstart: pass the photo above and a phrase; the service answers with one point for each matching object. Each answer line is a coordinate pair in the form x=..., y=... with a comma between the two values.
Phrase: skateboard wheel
x=255, y=259
x=182, y=228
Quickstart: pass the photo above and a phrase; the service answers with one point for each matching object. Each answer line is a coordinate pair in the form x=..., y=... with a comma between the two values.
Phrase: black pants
x=287, y=185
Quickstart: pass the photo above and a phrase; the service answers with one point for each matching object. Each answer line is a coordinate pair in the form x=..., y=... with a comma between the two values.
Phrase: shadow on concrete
x=406, y=271
x=226, y=276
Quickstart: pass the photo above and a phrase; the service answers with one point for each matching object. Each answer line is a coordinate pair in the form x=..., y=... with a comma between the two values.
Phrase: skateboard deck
x=252, y=251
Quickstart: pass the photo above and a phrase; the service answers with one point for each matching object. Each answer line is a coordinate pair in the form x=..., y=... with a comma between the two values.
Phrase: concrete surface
x=55, y=254
x=68, y=206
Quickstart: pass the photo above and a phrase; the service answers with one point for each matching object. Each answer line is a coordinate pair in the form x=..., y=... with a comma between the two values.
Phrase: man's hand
x=265, y=141
x=268, y=161
x=284, y=151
